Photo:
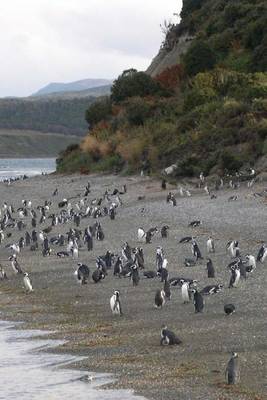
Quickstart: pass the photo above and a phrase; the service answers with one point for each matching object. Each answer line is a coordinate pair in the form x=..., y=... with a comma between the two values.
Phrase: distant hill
x=57, y=87
x=92, y=92
x=18, y=143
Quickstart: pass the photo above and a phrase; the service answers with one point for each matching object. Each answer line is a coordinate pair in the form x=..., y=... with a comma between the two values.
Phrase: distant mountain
x=57, y=87
x=92, y=92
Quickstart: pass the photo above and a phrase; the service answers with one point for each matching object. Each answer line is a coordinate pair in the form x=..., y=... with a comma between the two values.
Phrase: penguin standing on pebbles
x=210, y=245
x=115, y=303
x=167, y=289
x=185, y=291
x=135, y=275
x=168, y=338
x=198, y=301
x=195, y=250
x=27, y=283
x=82, y=273
x=232, y=370
x=210, y=269
x=235, y=276
x=262, y=254
x=164, y=231
x=159, y=298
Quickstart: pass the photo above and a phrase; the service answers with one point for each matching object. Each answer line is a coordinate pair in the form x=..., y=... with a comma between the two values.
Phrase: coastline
x=129, y=346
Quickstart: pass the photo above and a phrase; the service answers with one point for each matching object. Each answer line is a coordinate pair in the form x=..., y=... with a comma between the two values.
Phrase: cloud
x=64, y=40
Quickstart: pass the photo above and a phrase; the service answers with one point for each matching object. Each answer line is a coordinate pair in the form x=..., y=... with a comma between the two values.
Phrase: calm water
x=28, y=374
x=16, y=167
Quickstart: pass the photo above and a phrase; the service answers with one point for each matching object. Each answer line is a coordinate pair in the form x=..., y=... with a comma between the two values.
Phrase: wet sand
x=129, y=346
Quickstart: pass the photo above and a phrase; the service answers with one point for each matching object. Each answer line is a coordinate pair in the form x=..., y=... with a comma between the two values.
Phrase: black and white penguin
x=139, y=257
x=211, y=289
x=210, y=245
x=159, y=259
x=164, y=231
x=189, y=262
x=27, y=283
x=233, y=248
x=115, y=303
x=250, y=263
x=150, y=274
x=195, y=250
x=229, y=309
x=98, y=275
x=167, y=289
x=198, y=301
x=163, y=184
x=117, y=270
x=262, y=253
x=88, y=239
x=186, y=239
x=210, y=269
x=135, y=275
x=62, y=254
x=235, y=277
x=27, y=239
x=159, y=298
x=82, y=273
x=195, y=223
x=185, y=292
x=15, y=265
x=232, y=373
x=163, y=273
x=168, y=338
x=3, y=274
x=126, y=252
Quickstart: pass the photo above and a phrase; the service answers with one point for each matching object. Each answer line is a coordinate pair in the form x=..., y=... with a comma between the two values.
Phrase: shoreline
x=129, y=346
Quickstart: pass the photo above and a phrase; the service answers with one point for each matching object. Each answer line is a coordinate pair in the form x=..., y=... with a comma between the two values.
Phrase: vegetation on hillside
x=208, y=113
x=45, y=115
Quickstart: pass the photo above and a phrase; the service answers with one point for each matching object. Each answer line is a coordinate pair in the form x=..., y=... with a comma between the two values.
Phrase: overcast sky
x=43, y=41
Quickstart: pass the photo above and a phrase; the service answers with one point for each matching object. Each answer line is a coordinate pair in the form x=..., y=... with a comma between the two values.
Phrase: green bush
x=137, y=111
x=199, y=58
x=132, y=83
x=229, y=162
x=98, y=111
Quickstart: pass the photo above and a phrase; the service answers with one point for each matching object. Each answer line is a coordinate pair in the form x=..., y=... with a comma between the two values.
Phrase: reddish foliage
x=171, y=77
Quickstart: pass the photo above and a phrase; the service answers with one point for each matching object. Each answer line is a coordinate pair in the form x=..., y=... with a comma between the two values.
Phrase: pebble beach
x=128, y=346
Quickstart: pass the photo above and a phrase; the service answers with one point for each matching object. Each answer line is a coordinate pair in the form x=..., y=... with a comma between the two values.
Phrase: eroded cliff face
x=169, y=54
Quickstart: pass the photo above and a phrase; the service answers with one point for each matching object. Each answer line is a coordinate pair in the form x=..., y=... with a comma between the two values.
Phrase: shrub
x=98, y=111
x=229, y=162
x=137, y=110
x=199, y=58
x=132, y=83
x=171, y=77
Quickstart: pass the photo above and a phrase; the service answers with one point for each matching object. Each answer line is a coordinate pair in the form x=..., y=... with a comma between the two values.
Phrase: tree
x=132, y=83
x=199, y=58
x=98, y=111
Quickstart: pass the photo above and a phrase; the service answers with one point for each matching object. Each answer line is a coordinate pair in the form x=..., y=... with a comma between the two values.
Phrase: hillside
x=19, y=143
x=202, y=105
x=57, y=87
x=92, y=92
x=45, y=114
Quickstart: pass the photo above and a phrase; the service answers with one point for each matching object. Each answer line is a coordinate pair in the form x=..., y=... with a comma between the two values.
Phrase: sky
x=43, y=41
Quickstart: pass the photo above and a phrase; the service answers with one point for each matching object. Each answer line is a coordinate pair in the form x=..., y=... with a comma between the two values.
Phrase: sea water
x=27, y=372
x=17, y=167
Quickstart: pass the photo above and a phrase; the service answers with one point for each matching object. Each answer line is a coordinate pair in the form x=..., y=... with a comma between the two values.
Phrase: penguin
x=195, y=223
x=163, y=184
x=186, y=239
x=115, y=303
x=149, y=274
x=139, y=257
x=62, y=254
x=211, y=289
x=164, y=231
x=98, y=275
x=27, y=239
x=250, y=263
x=262, y=253
x=164, y=272
x=195, y=250
x=3, y=274
x=173, y=201
x=167, y=290
x=168, y=338
x=198, y=301
x=185, y=292
x=235, y=276
x=112, y=213
x=135, y=275
x=159, y=259
x=117, y=271
x=159, y=298
x=82, y=273
x=210, y=245
x=232, y=374
x=88, y=239
x=15, y=265
x=233, y=248
x=210, y=269
x=27, y=283
x=189, y=262
x=229, y=309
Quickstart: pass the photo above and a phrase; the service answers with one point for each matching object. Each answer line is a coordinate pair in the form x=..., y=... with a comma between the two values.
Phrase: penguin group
x=80, y=225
